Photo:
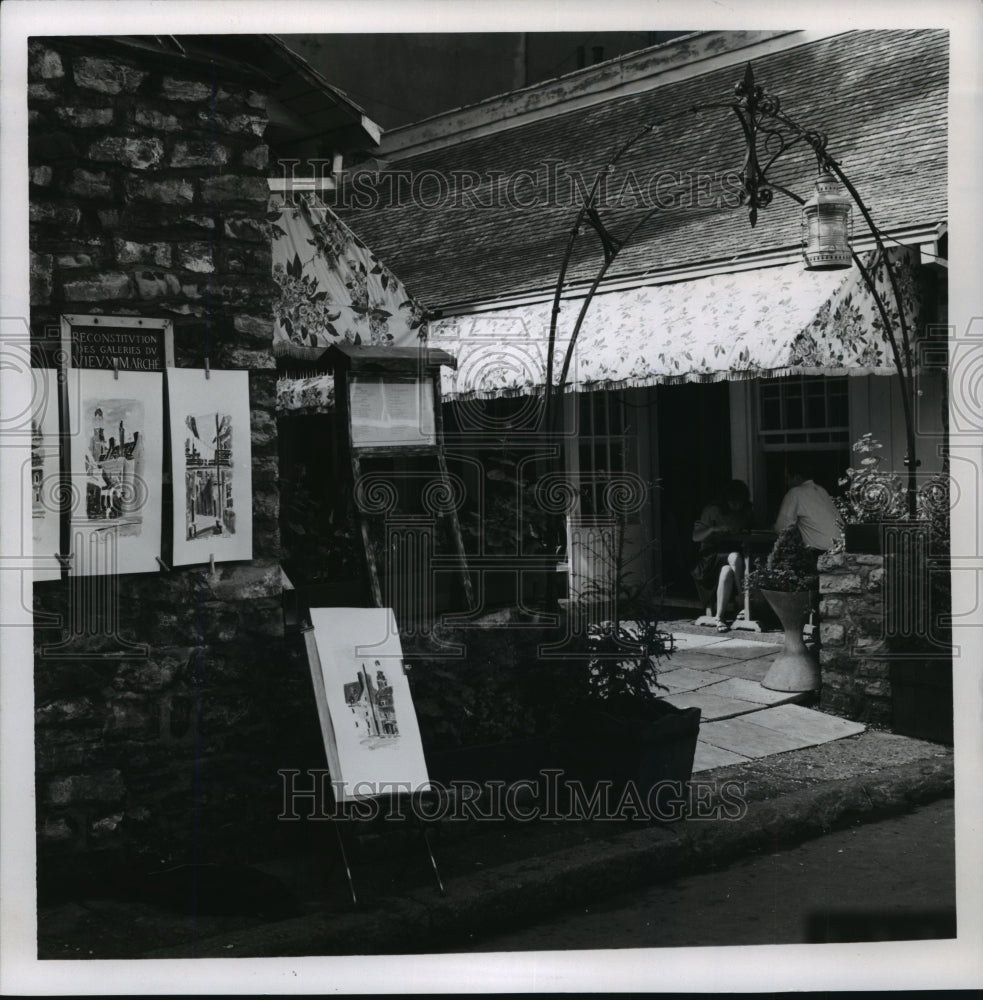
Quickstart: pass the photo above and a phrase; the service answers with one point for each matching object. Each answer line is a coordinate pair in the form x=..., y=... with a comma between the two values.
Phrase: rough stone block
x=42, y=92
x=831, y=560
x=106, y=827
x=171, y=191
x=242, y=227
x=40, y=275
x=875, y=581
x=848, y=583
x=257, y=158
x=138, y=154
x=90, y=184
x=830, y=608
x=68, y=261
x=79, y=117
x=199, y=153
x=257, y=328
x=41, y=176
x=43, y=63
x=878, y=688
x=101, y=786
x=241, y=358
x=185, y=90
x=106, y=76
x=233, y=124
x=235, y=187
x=156, y=120
x=128, y=252
x=55, y=830
x=195, y=256
x=245, y=258
x=131, y=716
x=867, y=559
x=151, y=285
x=831, y=634
x=99, y=288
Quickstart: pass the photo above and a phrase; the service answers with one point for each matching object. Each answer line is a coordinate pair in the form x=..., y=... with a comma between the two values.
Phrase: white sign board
x=391, y=413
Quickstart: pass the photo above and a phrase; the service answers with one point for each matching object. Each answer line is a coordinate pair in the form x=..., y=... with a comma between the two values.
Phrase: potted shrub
x=611, y=721
x=788, y=581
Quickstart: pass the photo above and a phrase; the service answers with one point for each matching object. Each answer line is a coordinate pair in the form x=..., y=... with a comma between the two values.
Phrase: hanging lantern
x=826, y=224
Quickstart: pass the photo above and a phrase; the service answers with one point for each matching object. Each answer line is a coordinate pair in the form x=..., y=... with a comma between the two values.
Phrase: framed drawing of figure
x=212, y=465
x=116, y=430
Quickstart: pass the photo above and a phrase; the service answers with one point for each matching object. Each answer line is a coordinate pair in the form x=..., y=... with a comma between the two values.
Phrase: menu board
x=386, y=413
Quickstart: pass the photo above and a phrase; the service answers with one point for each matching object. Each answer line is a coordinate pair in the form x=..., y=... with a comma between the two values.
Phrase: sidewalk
x=801, y=772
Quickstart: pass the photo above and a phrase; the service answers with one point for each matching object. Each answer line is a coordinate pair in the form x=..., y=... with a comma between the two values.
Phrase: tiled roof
x=879, y=96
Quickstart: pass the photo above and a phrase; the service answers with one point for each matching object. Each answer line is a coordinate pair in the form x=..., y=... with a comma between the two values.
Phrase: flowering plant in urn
x=788, y=567
x=870, y=494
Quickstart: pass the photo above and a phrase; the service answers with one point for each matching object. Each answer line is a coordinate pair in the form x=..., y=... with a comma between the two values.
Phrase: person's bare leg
x=725, y=584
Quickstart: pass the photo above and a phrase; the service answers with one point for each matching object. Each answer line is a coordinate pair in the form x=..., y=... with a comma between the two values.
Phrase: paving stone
x=745, y=737
x=688, y=640
x=685, y=679
x=694, y=659
x=712, y=706
x=751, y=670
x=742, y=649
x=739, y=687
x=806, y=723
x=708, y=756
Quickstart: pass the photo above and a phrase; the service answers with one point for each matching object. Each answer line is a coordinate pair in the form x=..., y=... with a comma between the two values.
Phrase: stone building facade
x=161, y=735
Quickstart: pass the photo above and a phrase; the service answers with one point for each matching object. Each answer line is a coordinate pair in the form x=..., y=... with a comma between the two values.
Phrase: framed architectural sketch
x=212, y=465
x=116, y=429
x=45, y=475
x=368, y=723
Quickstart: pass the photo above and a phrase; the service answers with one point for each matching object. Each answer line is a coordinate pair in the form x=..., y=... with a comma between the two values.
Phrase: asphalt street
x=891, y=880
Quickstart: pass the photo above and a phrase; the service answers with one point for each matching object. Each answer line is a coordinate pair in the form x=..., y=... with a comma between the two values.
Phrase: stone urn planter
x=794, y=668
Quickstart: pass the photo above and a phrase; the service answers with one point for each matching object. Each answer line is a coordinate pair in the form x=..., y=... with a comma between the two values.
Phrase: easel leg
x=344, y=861
x=433, y=860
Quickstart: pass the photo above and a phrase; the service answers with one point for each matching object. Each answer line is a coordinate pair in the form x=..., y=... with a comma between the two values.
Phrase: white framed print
x=211, y=464
x=116, y=429
x=368, y=723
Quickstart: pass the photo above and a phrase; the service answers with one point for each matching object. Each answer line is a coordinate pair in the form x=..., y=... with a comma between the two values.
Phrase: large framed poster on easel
x=388, y=404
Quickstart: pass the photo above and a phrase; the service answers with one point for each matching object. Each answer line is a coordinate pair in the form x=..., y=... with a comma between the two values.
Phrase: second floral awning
x=749, y=324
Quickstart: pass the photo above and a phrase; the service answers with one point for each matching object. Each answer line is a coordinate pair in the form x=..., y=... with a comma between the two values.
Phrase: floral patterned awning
x=332, y=288
x=749, y=324
x=762, y=323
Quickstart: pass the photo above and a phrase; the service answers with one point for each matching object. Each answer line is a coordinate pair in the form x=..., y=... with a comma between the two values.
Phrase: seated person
x=718, y=570
x=809, y=507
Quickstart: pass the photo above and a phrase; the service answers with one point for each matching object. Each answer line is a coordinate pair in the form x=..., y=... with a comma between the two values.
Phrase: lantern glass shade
x=826, y=225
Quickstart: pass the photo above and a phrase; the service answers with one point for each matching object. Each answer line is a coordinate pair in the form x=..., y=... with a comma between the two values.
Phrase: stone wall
x=854, y=663
x=161, y=733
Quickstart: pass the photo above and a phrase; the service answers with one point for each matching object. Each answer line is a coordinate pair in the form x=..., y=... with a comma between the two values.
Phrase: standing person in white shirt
x=808, y=506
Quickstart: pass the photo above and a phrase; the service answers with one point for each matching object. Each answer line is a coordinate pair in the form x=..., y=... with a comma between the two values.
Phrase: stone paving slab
x=689, y=640
x=750, y=670
x=696, y=659
x=708, y=757
x=744, y=737
x=805, y=723
x=685, y=679
x=712, y=706
x=741, y=649
x=739, y=687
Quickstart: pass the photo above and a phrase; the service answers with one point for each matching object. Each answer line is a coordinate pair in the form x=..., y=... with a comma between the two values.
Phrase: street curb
x=510, y=894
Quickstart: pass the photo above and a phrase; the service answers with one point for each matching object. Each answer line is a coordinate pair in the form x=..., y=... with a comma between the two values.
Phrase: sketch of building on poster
x=208, y=472
x=116, y=427
x=371, y=701
x=212, y=465
x=368, y=723
x=45, y=487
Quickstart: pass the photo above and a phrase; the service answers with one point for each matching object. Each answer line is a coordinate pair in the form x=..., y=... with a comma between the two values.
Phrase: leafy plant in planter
x=787, y=580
